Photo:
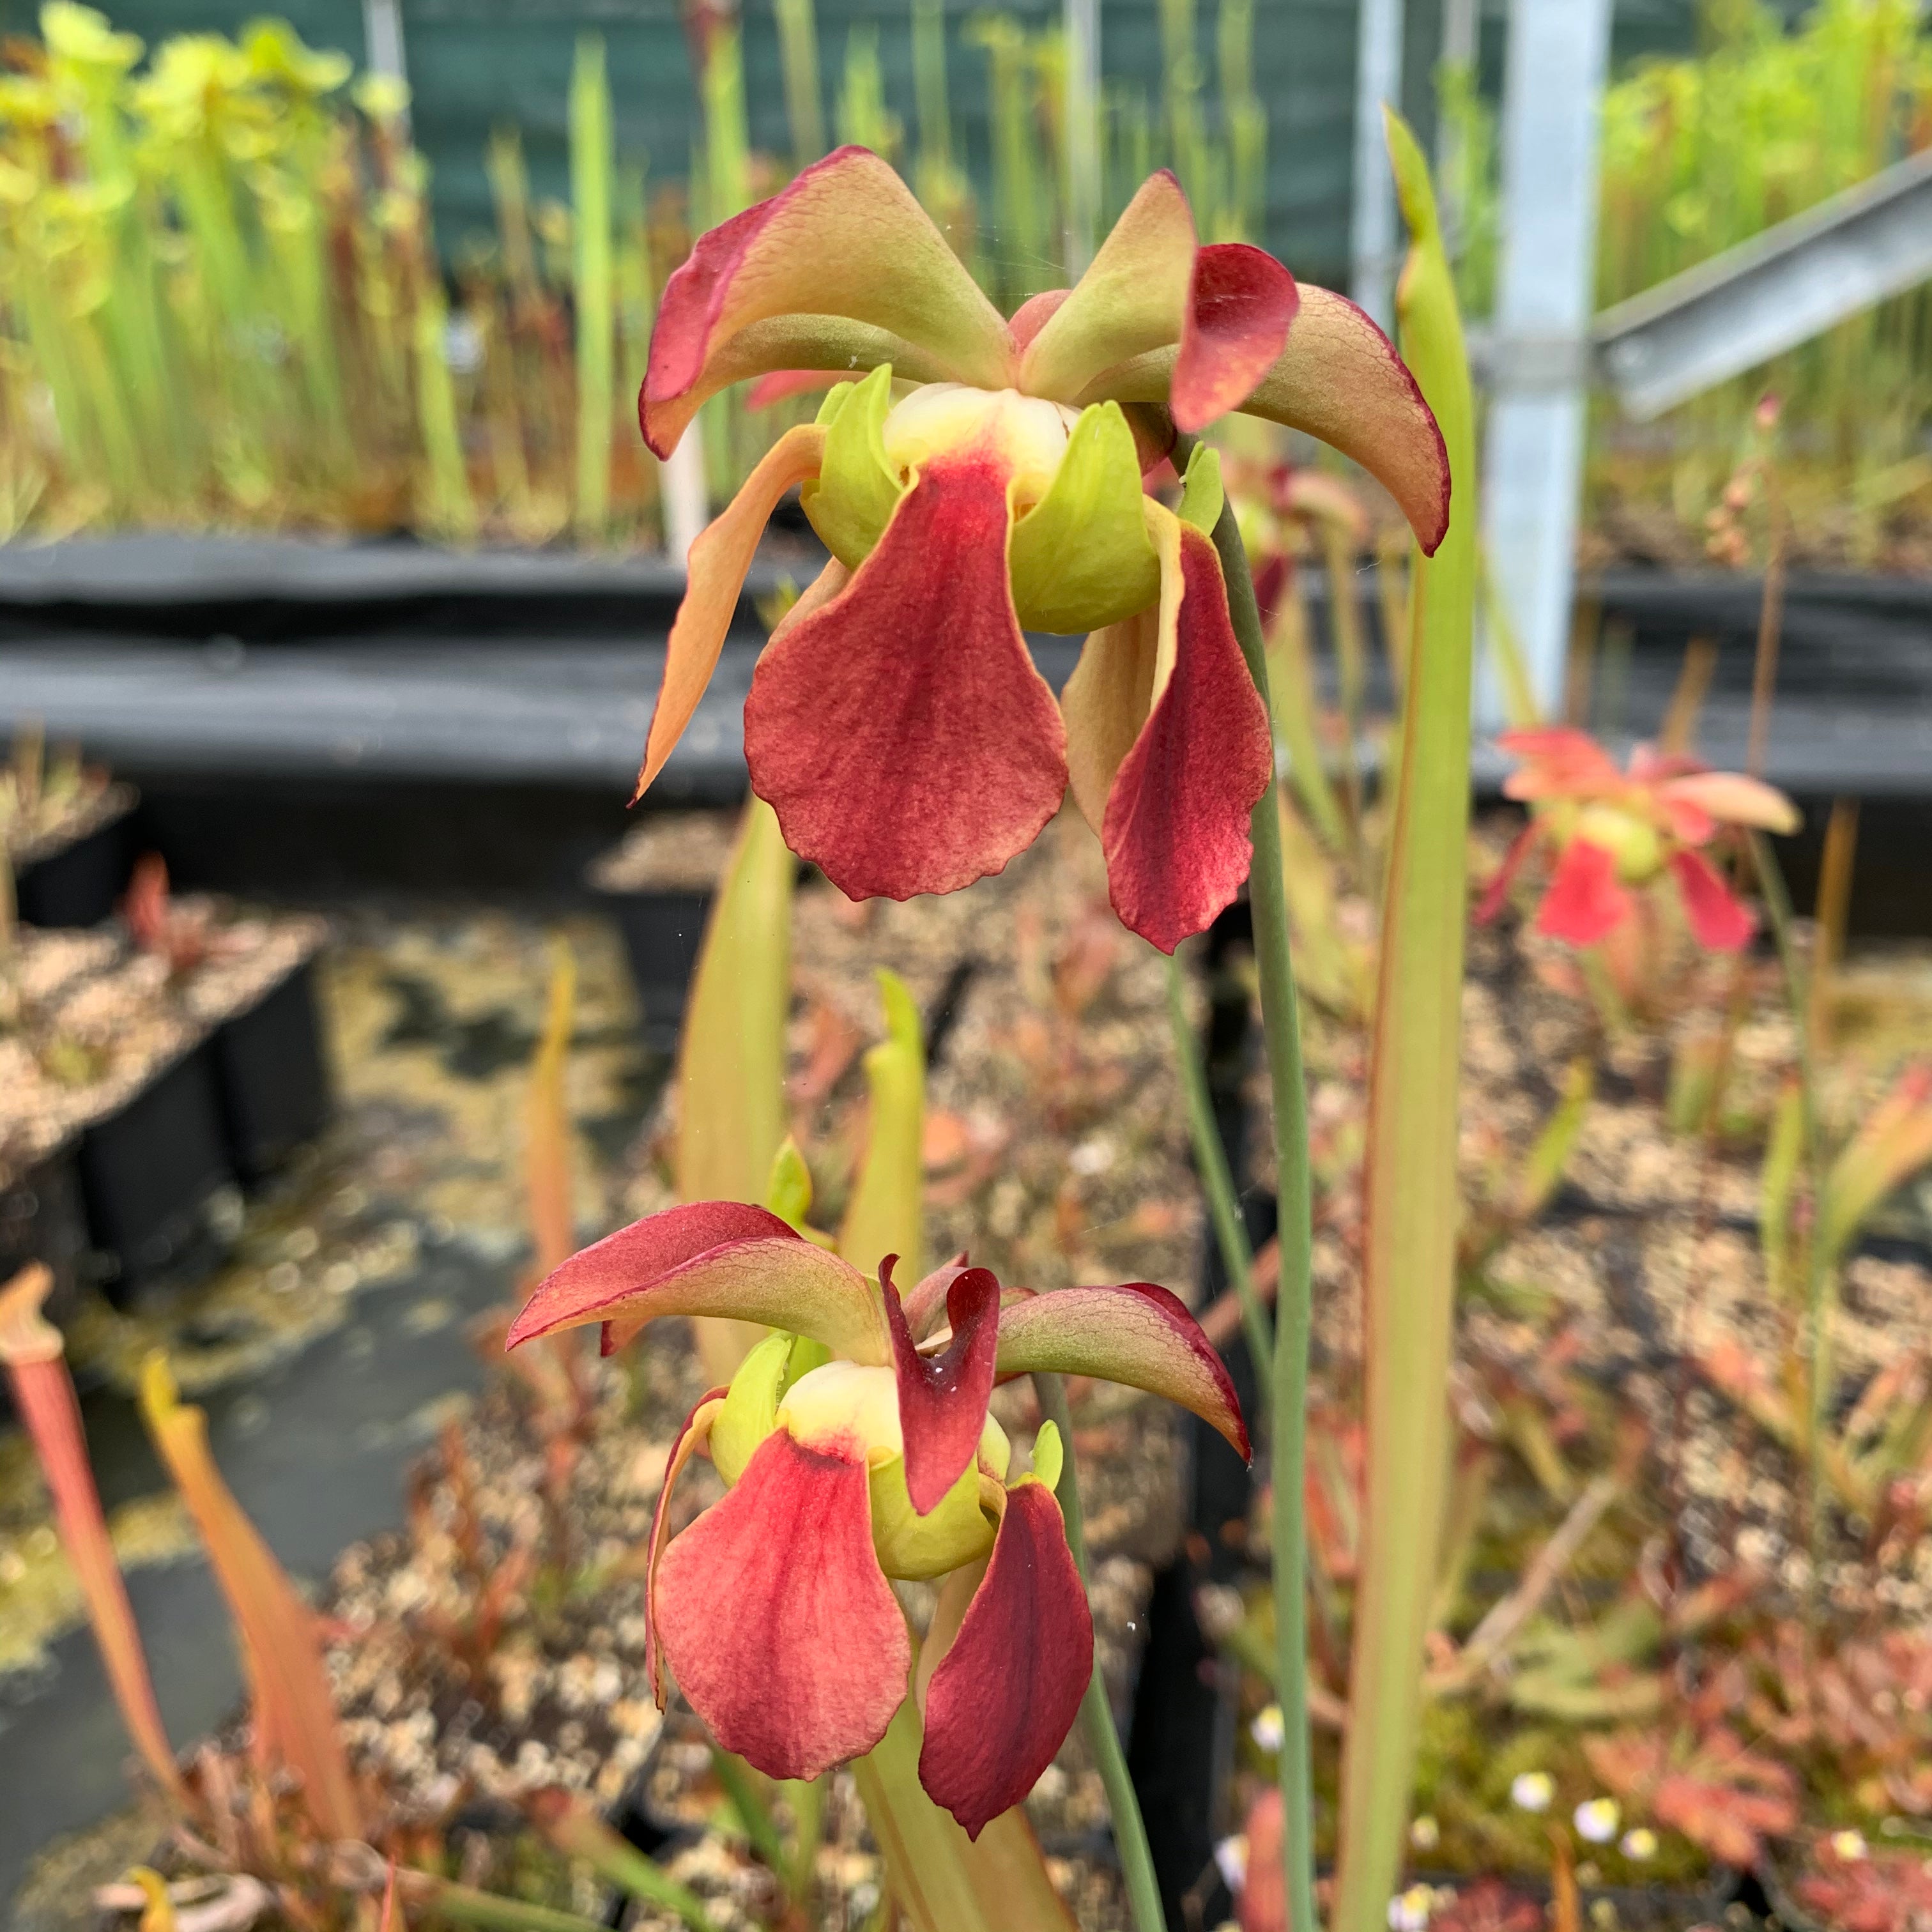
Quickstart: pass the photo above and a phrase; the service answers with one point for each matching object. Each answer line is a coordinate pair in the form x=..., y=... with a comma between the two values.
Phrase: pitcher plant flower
x=857, y=1446
x=1613, y=833
x=976, y=476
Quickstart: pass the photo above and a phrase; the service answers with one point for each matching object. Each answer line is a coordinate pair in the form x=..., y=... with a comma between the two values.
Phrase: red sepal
x=902, y=732
x=1005, y=1696
x=781, y=1628
x=943, y=1398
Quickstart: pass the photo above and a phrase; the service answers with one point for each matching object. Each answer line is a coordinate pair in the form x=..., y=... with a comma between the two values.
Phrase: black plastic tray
x=80, y=884
x=271, y=1081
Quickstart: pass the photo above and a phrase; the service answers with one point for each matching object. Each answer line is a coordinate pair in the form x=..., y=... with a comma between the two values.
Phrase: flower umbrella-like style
x=984, y=478
x=1613, y=830
x=858, y=1446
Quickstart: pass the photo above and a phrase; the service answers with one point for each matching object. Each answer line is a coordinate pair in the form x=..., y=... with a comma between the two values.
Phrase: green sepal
x=751, y=1410
x=1081, y=558
x=1201, y=494
x=807, y=1353
x=858, y=489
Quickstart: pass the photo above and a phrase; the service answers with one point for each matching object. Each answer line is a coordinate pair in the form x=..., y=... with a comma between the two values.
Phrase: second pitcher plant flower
x=859, y=1446
x=983, y=478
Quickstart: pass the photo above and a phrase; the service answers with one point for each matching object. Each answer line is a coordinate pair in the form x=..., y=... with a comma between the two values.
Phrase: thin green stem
x=1217, y=1181
x=741, y=1787
x=1268, y=902
x=1096, y=1715
x=1818, y=1271
x=463, y=1905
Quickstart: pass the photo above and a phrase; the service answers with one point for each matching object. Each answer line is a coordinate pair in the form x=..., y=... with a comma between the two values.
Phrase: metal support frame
x=383, y=50
x=1374, y=245
x=1769, y=294
x=1533, y=467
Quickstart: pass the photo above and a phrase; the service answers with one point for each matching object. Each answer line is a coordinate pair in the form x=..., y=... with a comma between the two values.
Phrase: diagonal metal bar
x=1769, y=294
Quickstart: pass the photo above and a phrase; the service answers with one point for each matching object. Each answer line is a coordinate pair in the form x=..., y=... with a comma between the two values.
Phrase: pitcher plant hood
x=975, y=477
x=858, y=1445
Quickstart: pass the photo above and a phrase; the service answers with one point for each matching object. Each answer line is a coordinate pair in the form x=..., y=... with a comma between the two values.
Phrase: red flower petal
x=1033, y=315
x=715, y=575
x=1497, y=890
x=1721, y=920
x=943, y=1398
x=1584, y=903
x=777, y=1619
x=1240, y=301
x=1559, y=761
x=902, y=732
x=1175, y=829
x=696, y=1427
x=1005, y=1696
x=846, y=240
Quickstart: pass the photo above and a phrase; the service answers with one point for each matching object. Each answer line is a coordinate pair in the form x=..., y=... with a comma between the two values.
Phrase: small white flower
x=1532, y=1790
x=1425, y=1834
x=1849, y=1846
x=1596, y=1819
x=1267, y=1730
x=1410, y=1912
x=1231, y=1860
x=1639, y=1845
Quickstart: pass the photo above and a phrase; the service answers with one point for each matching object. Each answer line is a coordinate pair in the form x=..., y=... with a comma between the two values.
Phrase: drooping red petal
x=943, y=1398
x=781, y=1628
x=696, y=1427
x=1721, y=920
x=1005, y=1696
x=1497, y=891
x=1176, y=828
x=902, y=732
x=1241, y=302
x=715, y=575
x=1136, y=1333
x=925, y=1298
x=845, y=241
x=1583, y=902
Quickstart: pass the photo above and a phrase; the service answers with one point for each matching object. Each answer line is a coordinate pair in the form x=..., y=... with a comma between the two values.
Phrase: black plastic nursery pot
x=662, y=931
x=271, y=1080
x=42, y=1218
x=149, y=1172
x=80, y=883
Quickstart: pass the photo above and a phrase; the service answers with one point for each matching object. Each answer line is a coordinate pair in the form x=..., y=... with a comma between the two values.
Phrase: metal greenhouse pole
x=1539, y=363
x=1373, y=244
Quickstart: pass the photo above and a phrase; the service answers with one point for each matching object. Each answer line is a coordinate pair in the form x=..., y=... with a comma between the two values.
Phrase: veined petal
x=902, y=732
x=943, y=1398
x=1733, y=799
x=1226, y=310
x=1338, y=379
x=846, y=237
x=1080, y=558
x=770, y=1275
x=1005, y=1695
x=1584, y=902
x=718, y=563
x=697, y=1426
x=1138, y=1334
x=1721, y=920
x=781, y=1628
x=1175, y=825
